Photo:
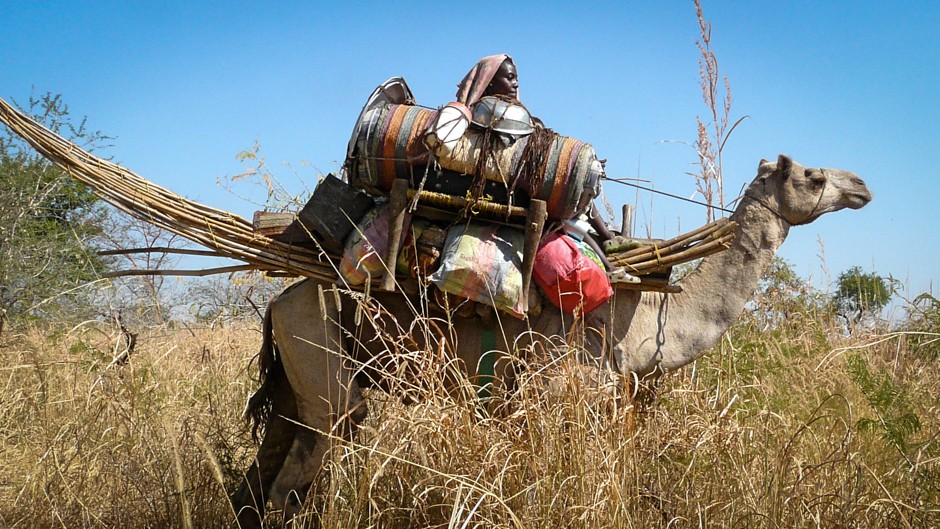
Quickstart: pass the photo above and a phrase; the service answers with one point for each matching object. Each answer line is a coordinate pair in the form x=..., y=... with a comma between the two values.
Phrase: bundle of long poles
x=224, y=233
x=662, y=255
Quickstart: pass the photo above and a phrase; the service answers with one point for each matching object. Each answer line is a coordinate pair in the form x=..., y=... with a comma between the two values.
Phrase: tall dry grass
x=792, y=425
x=150, y=443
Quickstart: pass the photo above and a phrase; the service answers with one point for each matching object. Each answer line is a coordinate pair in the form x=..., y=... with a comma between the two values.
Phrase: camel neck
x=732, y=275
x=714, y=295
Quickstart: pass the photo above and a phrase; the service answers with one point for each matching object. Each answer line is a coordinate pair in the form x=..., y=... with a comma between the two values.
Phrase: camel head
x=799, y=195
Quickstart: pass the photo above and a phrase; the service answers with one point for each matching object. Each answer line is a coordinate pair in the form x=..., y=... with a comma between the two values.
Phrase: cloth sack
x=571, y=280
x=484, y=263
x=367, y=245
x=407, y=255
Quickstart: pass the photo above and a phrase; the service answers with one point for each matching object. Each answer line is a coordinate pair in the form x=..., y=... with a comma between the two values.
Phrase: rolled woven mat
x=389, y=144
x=470, y=148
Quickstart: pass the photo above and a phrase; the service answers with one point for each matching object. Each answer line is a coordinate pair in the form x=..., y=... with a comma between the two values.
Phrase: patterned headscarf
x=474, y=84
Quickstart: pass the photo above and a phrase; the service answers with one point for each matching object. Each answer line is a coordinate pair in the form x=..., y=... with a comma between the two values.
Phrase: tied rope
x=623, y=181
x=535, y=156
x=779, y=215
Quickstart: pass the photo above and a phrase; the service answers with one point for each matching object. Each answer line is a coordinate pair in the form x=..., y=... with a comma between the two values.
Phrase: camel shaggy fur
x=314, y=353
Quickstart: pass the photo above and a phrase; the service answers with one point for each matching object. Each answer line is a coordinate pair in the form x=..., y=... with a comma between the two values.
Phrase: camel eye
x=816, y=179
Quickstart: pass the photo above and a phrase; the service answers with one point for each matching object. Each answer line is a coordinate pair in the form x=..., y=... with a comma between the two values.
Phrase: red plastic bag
x=570, y=279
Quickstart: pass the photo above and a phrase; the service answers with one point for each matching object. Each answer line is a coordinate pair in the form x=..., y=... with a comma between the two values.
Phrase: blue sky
x=184, y=86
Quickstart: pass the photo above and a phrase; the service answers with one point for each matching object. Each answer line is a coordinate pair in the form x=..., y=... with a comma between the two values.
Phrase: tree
x=923, y=325
x=860, y=294
x=783, y=296
x=241, y=295
x=48, y=222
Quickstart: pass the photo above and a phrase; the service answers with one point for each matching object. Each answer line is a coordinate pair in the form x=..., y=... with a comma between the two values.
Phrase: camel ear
x=784, y=164
x=761, y=163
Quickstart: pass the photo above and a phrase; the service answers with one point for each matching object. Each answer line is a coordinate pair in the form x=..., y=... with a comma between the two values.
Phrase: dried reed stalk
x=479, y=206
x=663, y=263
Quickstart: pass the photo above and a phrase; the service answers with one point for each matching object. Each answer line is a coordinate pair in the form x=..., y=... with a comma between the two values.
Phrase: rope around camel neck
x=809, y=216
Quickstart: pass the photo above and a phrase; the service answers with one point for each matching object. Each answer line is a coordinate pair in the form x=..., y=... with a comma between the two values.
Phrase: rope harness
x=809, y=216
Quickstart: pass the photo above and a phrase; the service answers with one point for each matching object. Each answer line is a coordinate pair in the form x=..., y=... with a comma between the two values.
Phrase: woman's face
x=505, y=82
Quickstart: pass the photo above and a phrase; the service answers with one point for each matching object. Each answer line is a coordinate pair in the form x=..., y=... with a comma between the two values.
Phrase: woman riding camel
x=491, y=76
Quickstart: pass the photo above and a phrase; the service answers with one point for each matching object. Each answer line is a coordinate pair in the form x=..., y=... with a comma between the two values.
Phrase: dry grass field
x=791, y=425
x=790, y=422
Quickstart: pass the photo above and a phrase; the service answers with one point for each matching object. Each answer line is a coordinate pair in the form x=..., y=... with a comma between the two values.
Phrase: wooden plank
x=270, y=223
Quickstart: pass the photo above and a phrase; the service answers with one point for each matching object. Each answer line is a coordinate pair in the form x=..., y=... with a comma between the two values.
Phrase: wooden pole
x=534, y=224
x=160, y=249
x=398, y=199
x=716, y=229
x=626, y=223
x=186, y=273
x=479, y=206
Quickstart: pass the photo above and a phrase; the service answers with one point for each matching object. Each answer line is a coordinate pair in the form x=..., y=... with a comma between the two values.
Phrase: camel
x=312, y=351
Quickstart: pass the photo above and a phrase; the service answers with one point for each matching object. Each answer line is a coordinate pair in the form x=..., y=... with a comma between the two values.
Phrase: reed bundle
x=475, y=206
x=660, y=256
x=228, y=235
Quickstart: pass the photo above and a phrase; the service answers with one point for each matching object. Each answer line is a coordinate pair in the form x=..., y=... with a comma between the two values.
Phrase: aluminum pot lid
x=502, y=115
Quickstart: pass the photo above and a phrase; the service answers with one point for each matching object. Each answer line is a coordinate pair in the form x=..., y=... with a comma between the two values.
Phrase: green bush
x=48, y=225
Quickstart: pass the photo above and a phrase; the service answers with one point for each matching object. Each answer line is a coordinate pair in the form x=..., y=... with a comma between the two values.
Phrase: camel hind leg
x=306, y=322
x=273, y=411
x=250, y=498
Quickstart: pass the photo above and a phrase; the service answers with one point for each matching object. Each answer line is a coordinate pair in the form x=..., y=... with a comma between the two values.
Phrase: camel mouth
x=859, y=199
x=857, y=193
